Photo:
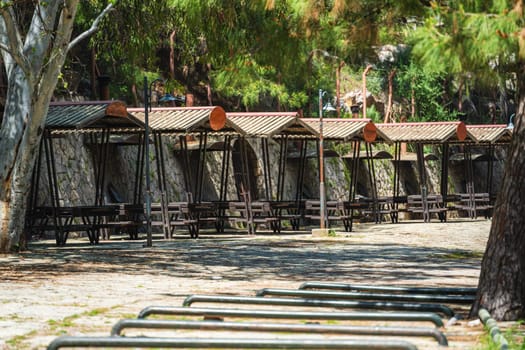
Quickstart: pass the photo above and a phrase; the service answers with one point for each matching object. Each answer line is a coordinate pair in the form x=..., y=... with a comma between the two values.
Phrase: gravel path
x=83, y=290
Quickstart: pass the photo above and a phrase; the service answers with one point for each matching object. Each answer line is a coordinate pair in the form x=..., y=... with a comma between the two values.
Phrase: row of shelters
x=93, y=156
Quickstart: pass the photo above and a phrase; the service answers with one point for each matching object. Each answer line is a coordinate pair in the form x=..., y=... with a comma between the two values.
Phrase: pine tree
x=486, y=40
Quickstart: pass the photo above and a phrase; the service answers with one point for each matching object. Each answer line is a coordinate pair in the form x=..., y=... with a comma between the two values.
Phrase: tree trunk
x=172, y=54
x=460, y=95
x=32, y=67
x=19, y=141
x=501, y=287
x=94, y=73
x=365, y=72
x=390, y=95
x=413, y=100
x=208, y=85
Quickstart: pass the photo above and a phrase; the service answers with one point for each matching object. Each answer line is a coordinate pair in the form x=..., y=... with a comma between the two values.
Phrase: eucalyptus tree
x=486, y=40
x=35, y=37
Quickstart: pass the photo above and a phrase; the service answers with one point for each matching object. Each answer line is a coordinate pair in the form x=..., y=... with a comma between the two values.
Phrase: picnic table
x=82, y=218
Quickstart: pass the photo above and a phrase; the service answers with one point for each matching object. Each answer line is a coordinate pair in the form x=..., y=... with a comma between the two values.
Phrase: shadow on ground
x=243, y=259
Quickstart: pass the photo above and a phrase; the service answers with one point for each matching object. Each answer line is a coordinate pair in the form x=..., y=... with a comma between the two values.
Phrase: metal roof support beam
x=490, y=170
x=355, y=170
x=373, y=182
x=422, y=180
x=60, y=235
x=185, y=162
x=223, y=190
x=245, y=176
x=226, y=155
x=139, y=171
x=266, y=168
x=99, y=160
x=161, y=177
x=283, y=151
x=203, y=141
x=445, y=157
x=33, y=194
x=397, y=178
x=300, y=175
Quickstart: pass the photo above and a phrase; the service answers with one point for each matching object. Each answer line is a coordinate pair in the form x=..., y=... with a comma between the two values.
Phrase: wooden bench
x=193, y=216
x=291, y=211
x=179, y=215
x=434, y=204
x=254, y=214
x=379, y=208
x=336, y=211
x=474, y=203
x=128, y=217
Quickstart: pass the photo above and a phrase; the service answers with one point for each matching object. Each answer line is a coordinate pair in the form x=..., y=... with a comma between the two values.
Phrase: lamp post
x=322, y=193
x=147, y=197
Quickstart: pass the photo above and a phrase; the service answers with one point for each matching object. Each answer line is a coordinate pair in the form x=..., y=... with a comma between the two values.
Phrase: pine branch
x=93, y=29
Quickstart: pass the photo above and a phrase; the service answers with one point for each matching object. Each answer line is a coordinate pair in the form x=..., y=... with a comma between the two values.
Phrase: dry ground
x=83, y=290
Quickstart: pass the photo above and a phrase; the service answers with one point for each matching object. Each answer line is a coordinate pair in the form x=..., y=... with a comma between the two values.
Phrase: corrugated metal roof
x=491, y=133
x=344, y=129
x=181, y=119
x=88, y=115
x=271, y=124
x=427, y=132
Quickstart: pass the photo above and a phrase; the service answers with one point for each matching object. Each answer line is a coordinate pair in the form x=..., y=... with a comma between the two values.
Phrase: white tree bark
x=33, y=65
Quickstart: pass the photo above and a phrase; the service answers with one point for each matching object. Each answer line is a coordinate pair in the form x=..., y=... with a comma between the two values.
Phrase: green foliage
x=513, y=335
x=130, y=34
x=427, y=86
x=265, y=54
x=245, y=79
x=471, y=37
x=373, y=114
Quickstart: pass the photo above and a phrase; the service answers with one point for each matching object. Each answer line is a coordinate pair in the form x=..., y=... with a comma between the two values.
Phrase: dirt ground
x=83, y=290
